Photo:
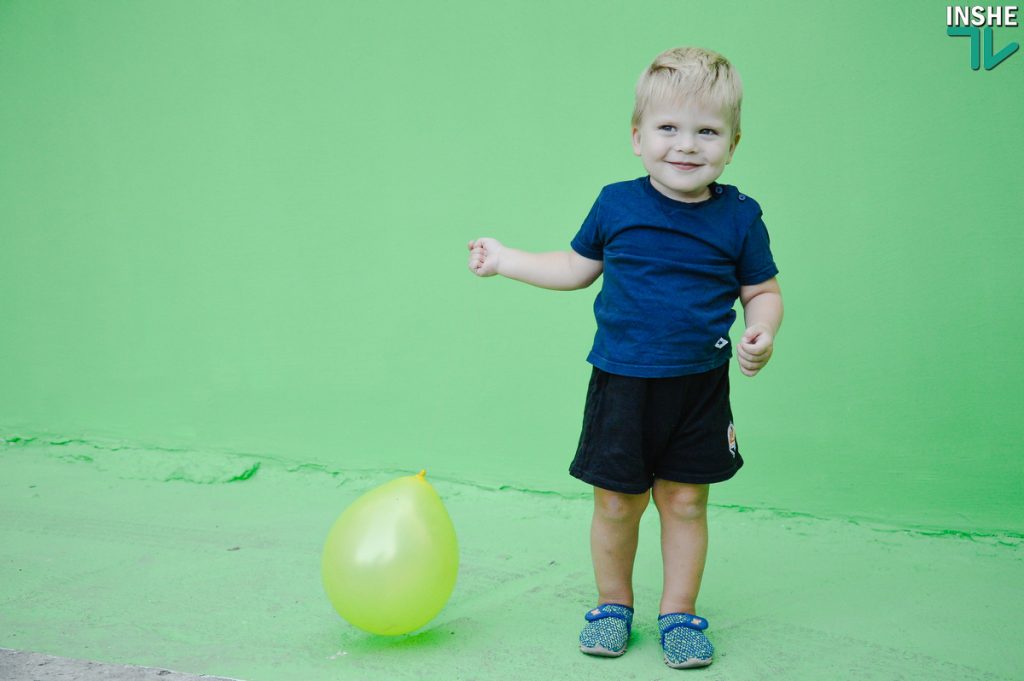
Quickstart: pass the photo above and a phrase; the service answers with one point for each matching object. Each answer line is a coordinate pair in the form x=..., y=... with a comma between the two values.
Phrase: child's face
x=684, y=147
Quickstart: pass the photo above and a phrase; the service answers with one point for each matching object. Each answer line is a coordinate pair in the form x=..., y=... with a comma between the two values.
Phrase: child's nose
x=686, y=143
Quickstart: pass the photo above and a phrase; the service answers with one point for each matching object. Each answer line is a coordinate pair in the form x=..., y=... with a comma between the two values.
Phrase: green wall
x=241, y=226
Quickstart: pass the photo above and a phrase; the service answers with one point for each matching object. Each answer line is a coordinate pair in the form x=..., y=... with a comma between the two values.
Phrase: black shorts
x=639, y=429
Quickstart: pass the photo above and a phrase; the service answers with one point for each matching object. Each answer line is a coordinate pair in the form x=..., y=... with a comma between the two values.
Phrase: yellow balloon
x=391, y=558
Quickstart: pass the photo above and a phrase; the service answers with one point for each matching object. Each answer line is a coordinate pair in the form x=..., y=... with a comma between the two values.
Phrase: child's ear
x=636, y=141
x=732, y=147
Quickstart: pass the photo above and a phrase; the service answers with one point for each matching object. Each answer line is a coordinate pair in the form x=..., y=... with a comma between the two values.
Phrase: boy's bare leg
x=684, y=542
x=614, y=532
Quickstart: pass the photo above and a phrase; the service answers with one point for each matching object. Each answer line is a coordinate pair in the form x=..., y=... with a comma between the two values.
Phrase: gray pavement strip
x=20, y=665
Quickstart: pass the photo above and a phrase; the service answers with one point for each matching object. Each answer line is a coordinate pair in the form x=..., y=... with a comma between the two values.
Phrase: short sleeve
x=588, y=241
x=756, y=263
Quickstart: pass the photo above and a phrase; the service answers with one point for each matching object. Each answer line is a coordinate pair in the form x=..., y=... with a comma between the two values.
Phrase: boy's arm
x=762, y=312
x=559, y=270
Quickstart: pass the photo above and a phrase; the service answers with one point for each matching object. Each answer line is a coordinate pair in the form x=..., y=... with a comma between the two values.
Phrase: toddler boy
x=676, y=249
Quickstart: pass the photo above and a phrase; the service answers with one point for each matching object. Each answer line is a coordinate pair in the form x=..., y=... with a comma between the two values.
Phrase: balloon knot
x=422, y=475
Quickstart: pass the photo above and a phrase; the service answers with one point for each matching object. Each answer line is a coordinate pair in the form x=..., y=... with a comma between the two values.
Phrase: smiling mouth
x=684, y=166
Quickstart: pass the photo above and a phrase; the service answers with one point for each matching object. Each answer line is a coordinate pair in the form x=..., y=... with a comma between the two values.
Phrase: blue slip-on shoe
x=683, y=640
x=607, y=630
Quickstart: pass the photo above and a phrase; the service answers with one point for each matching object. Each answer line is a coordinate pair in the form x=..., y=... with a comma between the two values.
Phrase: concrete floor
x=25, y=666
x=209, y=564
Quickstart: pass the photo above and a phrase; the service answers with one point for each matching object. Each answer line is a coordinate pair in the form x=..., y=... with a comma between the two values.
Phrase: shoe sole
x=689, y=663
x=601, y=651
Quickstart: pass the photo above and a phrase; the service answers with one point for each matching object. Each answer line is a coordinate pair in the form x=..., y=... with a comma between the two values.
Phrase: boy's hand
x=755, y=349
x=483, y=256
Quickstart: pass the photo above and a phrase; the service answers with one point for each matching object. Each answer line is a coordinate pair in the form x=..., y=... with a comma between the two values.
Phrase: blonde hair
x=690, y=73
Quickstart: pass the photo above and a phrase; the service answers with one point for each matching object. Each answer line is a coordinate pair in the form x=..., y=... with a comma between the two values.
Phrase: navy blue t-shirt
x=672, y=272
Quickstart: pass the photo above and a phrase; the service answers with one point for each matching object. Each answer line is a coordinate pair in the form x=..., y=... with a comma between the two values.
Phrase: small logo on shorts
x=731, y=436
x=721, y=343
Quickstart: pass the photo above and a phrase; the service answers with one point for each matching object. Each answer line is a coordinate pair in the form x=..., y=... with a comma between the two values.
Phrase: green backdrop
x=241, y=226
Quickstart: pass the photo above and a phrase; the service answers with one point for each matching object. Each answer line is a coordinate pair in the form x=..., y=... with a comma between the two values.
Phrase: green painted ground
x=209, y=563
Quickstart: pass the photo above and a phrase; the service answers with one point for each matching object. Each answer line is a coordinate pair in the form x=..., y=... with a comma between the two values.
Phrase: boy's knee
x=681, y=501
x=619, y=507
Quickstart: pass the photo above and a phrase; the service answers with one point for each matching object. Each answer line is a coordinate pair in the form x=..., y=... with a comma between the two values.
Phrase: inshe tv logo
x=976, y=22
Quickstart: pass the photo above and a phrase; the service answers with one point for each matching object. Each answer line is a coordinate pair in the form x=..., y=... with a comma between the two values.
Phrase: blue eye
x=667, y=128
x=708, y=131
